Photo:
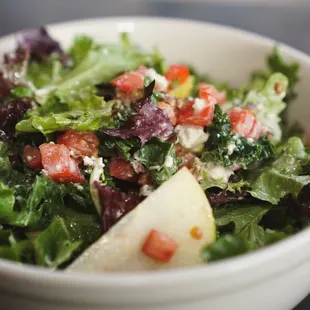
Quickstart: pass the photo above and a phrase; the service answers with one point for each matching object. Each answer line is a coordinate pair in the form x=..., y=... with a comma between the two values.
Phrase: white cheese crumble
x=146, y=190
x=89, y=161
x=137, y=166
x=97, y=170
x=231, y=147
x=212, y=170
x=191, y=136
x=218, y=172
x=79, y=187
x=160, y=80
x=199, y=105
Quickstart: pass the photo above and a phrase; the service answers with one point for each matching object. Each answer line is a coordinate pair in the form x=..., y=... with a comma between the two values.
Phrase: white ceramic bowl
x=275, y=278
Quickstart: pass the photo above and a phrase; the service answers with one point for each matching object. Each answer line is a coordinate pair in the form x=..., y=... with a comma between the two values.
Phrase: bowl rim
x=168, y=277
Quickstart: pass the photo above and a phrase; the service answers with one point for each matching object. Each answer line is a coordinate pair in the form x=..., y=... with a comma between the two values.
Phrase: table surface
x=289, y=24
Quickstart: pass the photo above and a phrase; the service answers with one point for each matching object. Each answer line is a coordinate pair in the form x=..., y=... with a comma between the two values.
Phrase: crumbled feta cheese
x=79, y=187
x=89, y=161
x=169, y=161
x=211, y=170
x=58, y=167
x=231, y=147
x=199, y=105
x=218, y=172
x=161, y=81
x=190, y=136
x=146, y=190
x=250, y=140
x=137, y=166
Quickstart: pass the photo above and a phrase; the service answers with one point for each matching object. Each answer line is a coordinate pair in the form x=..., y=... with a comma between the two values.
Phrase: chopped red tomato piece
x=169, y=110
x=129, y=81
x=58, y=164
x=32, y=157
x=121, y=169
x=177, y=72
x=82, y=143
x=242, y=121
x=159, y=246
x=206, y=90
x=189, y=116
x=256, y=130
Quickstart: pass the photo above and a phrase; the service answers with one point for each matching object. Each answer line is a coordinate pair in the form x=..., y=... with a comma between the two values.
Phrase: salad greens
x=86, y=134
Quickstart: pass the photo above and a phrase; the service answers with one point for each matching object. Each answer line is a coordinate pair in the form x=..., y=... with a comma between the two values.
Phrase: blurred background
x=287, y=21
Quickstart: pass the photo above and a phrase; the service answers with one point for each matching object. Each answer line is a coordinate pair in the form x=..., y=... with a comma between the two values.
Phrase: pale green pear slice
x=177, y=208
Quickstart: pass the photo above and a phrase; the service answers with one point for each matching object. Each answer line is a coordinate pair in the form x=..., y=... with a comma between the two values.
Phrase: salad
x=109, y=149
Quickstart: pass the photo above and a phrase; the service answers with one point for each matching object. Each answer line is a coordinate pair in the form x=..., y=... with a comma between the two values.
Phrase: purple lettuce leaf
x=115, y=204
x=147, y=123
x=38, y=42
x=303, y=201
x=35, y=44
x=10, y=114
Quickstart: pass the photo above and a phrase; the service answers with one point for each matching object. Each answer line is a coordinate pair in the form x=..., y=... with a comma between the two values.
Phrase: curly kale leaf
x=227, y=148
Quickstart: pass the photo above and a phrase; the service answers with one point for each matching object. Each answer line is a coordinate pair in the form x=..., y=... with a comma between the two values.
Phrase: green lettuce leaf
x=226, y=246
x=79, y=120
x=5, y=165
x=16, y=247
x=45, y=72
x=232, y=187
x=159, y=158
x=242, y=231
x=240, y=216
x=81, y=46
x=285, y=175
x=98, y=63
x=65, y=237
x=32, y=202
x=7, y=201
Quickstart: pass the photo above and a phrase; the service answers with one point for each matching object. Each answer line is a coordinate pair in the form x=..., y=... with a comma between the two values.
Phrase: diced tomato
x=188, y=116
x=169, y=110
x=159, y=246
x=129, y=81
x=242, y=121
x=206, y=90
x=58, y=164
x=121, y=169
x=82, y=143
x=256, y=130
x=32, y=157
x=177, y=72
